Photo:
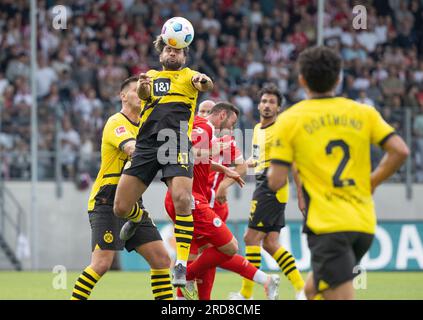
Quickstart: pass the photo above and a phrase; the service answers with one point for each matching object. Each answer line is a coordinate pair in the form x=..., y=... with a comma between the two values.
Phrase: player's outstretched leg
x=240, y=265
x=180, y=189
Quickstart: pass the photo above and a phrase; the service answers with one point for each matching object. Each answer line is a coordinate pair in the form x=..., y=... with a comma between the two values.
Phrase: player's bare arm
x=222, y=191
x=300, y=194
x=129, y=147
x=277, y=176
x=201, y=153
x=144, y=86
x=396, y=153
x=228, y=172
x=202, y=82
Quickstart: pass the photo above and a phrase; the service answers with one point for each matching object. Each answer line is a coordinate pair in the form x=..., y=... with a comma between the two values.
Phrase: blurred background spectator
x=241, y=44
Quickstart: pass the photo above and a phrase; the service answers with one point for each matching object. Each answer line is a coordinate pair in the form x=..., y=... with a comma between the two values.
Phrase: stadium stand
x=241, y=44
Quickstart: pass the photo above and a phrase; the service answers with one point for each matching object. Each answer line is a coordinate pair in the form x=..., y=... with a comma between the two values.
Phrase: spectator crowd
x=241, y=44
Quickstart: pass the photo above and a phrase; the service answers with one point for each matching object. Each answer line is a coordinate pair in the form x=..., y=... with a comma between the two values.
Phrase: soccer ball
x=177, y=32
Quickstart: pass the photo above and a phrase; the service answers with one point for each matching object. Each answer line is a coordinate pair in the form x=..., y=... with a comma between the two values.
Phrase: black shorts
x=105, y=229
x=147, y=163
x=334, y=256
x=267, y=214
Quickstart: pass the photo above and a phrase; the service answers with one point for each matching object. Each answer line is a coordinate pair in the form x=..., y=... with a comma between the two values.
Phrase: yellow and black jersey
x=117, y=131
x=171, y=104
x=262, y=142
x=329, y=141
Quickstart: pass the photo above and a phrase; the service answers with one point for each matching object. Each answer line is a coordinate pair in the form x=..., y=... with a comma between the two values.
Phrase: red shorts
x=222, y=210
x=208, y=226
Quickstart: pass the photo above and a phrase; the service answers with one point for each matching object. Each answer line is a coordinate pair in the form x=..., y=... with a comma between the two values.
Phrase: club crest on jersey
x=108, y=237
x=217, y=222
x=120, y=130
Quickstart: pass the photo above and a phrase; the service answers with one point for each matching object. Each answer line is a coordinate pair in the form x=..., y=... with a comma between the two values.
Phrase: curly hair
x=159, y=45
x=271, y=88
x=320, y=67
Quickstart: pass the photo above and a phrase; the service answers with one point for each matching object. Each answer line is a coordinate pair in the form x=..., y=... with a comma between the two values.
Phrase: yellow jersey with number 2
x=329, y=140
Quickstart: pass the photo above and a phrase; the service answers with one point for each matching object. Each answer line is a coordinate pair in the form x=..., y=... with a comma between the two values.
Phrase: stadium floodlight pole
x=58, y=153
x=34, y=139
x=320, y=19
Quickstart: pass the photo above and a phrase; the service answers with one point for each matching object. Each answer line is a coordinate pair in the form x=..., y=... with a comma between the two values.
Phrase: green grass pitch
x=136, y=285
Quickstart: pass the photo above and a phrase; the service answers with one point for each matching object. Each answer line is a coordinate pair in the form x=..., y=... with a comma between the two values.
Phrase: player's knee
x=120, y=209
x=231, y=248
x=101, y=266
x=249, y=240
x=161, y=261
x=182, y=201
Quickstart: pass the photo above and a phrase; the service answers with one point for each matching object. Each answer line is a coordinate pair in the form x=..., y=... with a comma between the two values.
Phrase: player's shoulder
x=188, y=71
x=340, y=103
x=363, y=107
x=202, y=122
x=355, y=108
x=152, y=72
x=257, y=126
x=114, y=119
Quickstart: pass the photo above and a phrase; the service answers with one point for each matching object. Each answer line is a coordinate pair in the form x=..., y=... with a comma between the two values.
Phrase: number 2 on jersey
x=337, y=181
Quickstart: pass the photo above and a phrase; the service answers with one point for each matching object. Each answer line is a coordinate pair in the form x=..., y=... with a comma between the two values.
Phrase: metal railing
x=13, y=223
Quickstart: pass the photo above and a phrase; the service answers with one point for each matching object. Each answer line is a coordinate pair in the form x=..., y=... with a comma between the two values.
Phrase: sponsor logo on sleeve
x=120, y=131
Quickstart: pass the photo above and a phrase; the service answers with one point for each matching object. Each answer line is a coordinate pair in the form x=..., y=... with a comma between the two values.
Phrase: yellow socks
x=136, y=213
x=286, y=262
x=253, y=255
x=184, y=229
x=160, y=284
x=85, y=284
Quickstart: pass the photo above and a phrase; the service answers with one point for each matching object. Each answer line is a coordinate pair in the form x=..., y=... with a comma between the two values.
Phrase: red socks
x=210, y=258
x=203, y=269
x=240, y=265
x=205, y=284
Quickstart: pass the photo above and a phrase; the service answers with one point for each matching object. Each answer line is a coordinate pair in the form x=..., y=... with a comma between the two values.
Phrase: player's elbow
x=399, y=154
x=403, y=152
x=397, y=149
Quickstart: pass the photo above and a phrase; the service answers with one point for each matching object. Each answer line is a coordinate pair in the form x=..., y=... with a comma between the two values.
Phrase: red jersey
x=201, y=136
x=226, y=157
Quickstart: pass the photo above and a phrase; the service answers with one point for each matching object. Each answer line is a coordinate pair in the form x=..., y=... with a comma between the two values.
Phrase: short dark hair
x=127, y=81
x=271, y=88
x=159, y=45
x=226, y=106
x=320, y=67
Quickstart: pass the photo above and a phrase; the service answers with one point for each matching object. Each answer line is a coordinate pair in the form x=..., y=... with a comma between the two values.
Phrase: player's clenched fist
x=143, y=86
x=202, y=82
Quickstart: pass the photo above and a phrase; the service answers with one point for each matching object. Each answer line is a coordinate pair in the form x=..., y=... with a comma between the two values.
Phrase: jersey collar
x=132, y=122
